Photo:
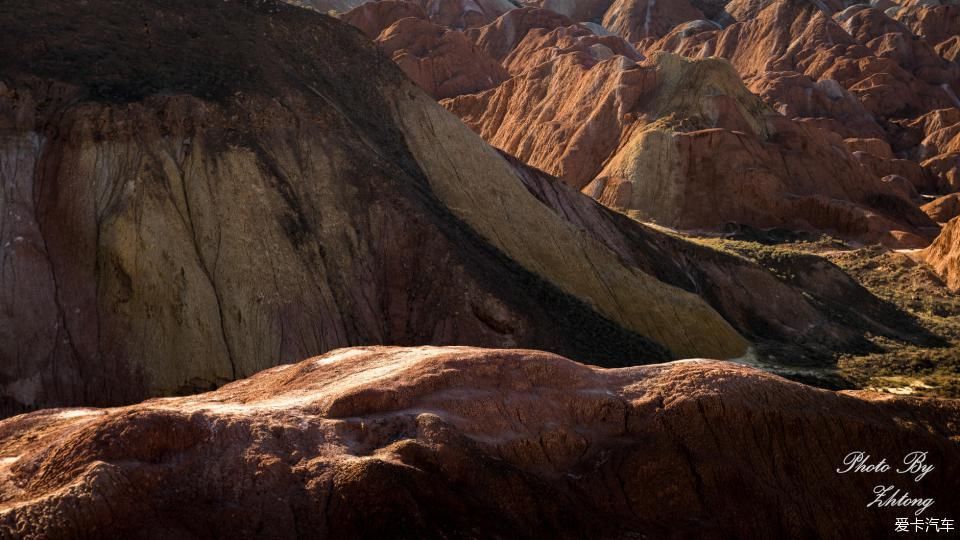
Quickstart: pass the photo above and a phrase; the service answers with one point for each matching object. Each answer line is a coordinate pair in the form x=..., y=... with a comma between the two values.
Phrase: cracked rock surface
x=463, y=442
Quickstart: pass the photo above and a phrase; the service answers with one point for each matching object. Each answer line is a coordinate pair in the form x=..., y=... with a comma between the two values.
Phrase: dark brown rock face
x=460, y=442
x=174, y=218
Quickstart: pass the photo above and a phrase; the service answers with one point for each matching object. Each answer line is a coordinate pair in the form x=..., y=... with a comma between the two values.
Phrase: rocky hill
x=853, y=94
x=178, y=217
x=495, y=229
x=810, y=130
x=462, y=442
x=254, y=201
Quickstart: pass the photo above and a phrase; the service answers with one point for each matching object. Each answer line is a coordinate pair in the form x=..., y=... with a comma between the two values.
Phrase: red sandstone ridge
x=443, y=62
x=944, y=254
x=432, y=442
x=939, y=25
x=944, y=208
x=635, y=20
x=501, y=36
x=685, y=144
x=372, y=18
x=855, y=71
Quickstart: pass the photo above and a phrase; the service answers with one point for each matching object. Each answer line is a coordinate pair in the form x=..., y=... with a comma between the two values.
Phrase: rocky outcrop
x=441, y=61
x=876, y=147
x=890, y=71
x=944, y=254
x=635, y=20
x=950, y=49
x=939, y=25
x=855, y=71
x=501, y=36
x=372, y=18
x=448, y=63
x=431, y=442
x=940, y=148
x=944, y=208
x=574, y=107
x=540, y=45
x=645, y=137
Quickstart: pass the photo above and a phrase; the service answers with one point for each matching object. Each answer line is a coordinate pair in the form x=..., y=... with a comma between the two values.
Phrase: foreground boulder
x=462, y=442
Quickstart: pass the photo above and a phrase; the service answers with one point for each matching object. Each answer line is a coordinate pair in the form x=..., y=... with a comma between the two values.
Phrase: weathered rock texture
x=460, y=442
x=944, y=254
x=853, y=70
x=635, y=20
x=864, y=87
x=857, y=71
x=177, y=217
x=441, y=61
x=944, y=208
x=685, y=144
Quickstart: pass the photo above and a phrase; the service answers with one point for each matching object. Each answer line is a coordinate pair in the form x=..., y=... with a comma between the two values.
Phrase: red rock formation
x=447, y=63
x=940, y=148
x=939, y=25
x=541, y=45
x=429, y=442
x=944, y=254
x=914, y=130
x=822, y=310
x=635, y=20
x=943, y=209
x=580, y=10
x=856, y=72
x=158, y=216
x=950, y=49
x=946, y=168
x=877, y=59
x=501, y=36
x=642, y=137
x=876, y=147
x=442, y=62
x=462, y=14
x=921, y=179
x=824, y=104
x=573, y=110
x=375, y=17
